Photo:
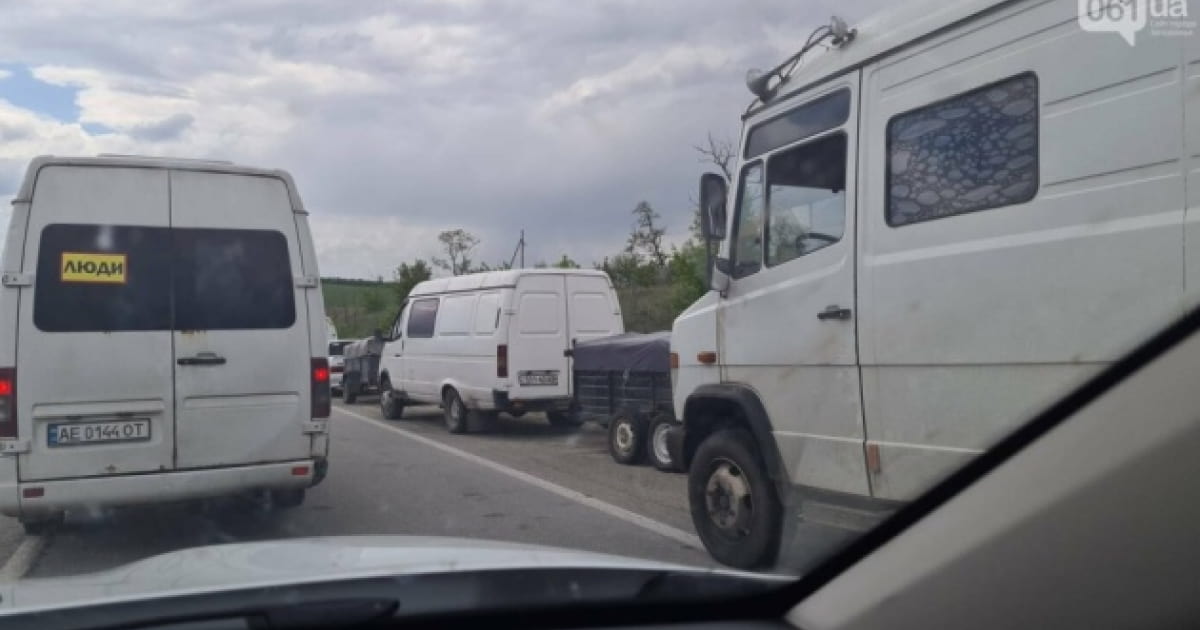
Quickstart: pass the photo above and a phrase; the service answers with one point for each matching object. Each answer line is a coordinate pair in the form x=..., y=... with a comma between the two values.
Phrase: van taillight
x=502, y=361
x=320, y=387
x=8, y=403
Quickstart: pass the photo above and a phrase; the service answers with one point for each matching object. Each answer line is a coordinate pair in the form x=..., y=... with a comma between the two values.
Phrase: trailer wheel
x=626, y=437
x=349, y=387
x=658, y=450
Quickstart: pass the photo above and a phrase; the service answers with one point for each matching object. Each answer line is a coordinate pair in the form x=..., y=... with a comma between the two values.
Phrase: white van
x=162, y=336
x=484, y=343
x=930, y=236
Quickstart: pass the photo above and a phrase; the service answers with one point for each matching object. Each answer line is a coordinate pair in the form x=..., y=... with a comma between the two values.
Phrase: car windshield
x=919, y=226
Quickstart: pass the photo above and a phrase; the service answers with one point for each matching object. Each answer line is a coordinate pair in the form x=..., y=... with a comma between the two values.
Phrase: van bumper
x=63, y=494
x=503, y=403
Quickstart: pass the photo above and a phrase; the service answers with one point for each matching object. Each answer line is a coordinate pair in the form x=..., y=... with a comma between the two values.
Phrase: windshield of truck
x=934, y=223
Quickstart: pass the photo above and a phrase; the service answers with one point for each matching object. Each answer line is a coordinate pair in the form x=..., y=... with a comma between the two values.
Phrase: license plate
x=540, y=377
x=76, y=433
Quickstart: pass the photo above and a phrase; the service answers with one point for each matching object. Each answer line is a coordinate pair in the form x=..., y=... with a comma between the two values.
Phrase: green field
x=359, y=306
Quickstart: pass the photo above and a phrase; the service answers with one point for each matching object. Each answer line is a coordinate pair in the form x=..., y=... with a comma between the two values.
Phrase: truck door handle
x=202, y=358
x=834, y=312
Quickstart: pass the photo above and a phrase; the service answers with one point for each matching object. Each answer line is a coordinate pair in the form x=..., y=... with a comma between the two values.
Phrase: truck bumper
x=22, y=498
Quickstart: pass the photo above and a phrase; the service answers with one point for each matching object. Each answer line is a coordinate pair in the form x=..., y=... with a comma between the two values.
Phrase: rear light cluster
x=321, y=398
x=502, y=361
x=8, y=403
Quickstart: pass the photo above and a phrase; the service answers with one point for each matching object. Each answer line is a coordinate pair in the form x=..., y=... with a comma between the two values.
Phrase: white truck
x=930, y=236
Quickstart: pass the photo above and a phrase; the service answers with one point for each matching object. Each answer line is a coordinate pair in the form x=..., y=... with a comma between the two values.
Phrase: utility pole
x=519, y=250
x=522, y=249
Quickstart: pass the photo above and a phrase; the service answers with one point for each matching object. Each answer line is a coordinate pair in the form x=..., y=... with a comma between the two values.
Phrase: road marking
x=21, y=561
x=632, y=518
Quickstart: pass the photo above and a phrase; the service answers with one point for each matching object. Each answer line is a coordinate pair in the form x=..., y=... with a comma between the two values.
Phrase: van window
x=806, y=198
x=487, y=313
x=422, y=315
x=456, y=315
x=972, y=152
x=747, y=243
x=75, y=293
x=819, y=115
x=539, y=313
x=232, y=280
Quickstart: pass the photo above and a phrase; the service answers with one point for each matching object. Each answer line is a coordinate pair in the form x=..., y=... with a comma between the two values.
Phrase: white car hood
x=294, y=561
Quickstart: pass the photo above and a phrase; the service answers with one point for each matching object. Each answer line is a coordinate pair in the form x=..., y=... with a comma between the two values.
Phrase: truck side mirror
x=713, y=192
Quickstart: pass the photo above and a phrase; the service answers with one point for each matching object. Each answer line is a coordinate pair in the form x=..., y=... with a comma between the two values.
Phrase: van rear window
x=103, y=278
x=125, y=278
x=232, y=280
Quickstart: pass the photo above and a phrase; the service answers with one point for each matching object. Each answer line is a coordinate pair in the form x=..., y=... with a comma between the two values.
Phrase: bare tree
x=458, y=244
x=719, y=152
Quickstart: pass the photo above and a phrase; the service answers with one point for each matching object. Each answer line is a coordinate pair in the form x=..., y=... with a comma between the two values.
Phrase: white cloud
x=402, y=119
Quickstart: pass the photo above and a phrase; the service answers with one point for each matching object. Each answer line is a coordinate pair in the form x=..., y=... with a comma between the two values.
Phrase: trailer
x=624, y=382
x=361, y=375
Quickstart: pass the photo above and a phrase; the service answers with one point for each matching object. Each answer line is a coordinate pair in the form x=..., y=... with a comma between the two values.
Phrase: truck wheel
x=454, y=412
x=349, y=388
x=734, y=506
x=391, y=407
x=626, y=437
x=564, y=419
x=657, y=449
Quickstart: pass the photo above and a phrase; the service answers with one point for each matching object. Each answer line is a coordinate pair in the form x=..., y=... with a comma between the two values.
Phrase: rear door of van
x=241, y=355
x=592, y=309
x=537, y=338
x=94, y=362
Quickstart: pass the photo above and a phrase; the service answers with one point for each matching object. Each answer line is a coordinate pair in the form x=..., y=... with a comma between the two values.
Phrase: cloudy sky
x=401, y=119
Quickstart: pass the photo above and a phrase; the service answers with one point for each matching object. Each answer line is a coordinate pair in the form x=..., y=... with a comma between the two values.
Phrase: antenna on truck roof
x=759, y=82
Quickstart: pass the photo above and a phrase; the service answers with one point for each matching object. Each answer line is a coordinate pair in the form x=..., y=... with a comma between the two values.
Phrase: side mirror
x=713, y=192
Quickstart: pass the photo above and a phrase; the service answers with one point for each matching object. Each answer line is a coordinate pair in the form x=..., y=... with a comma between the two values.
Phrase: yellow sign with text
x=94, y=268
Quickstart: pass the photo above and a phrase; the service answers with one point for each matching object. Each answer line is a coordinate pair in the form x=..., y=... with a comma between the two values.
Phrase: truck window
x=821, y=114
x=422, y=315
x=103, y=278
x=971, y=152
x=747, y=243
x=232, y=280
x=806, y=198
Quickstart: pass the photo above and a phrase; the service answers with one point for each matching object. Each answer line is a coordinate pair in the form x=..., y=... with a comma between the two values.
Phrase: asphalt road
x=525, y=481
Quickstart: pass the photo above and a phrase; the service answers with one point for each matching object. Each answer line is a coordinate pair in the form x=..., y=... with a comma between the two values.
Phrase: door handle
x=202, y=358
x=834, y=312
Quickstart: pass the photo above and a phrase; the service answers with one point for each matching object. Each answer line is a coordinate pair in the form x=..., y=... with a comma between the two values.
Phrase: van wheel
x=657, y=449
x=391, y=407
x=43, y=525
x=564, y=419
x=349, y=388
x=733, y=503
x=454, y=412
x=626, y=437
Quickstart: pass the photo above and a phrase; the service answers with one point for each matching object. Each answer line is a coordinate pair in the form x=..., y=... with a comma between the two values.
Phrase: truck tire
x=564, y=419
x=350, y=387
x=454, y=412
x=657, y=449
x=391, y=407
x=733, y=502
x=627, y=437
